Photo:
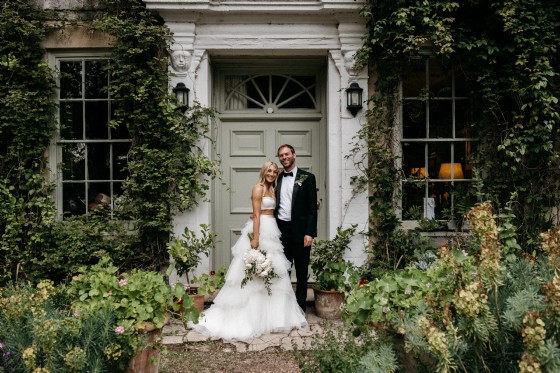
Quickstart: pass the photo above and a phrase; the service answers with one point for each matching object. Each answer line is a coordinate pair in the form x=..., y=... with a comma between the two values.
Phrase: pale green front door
x=261, y=109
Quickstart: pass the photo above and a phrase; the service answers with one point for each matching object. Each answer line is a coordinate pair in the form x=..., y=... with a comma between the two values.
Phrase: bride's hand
x=254, y=243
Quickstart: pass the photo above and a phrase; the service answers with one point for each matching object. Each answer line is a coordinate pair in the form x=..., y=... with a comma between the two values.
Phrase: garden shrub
x=470, y=309
x=336, y=350
x=83, y=240
x=37, y=332
x=26, y=128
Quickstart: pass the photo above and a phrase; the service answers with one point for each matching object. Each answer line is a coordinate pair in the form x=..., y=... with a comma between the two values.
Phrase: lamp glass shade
x=354, y=98
x=182, y=94
x=445, y=171
x=419, y=172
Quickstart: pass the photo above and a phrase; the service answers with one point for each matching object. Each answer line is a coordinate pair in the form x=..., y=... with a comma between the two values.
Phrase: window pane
x=462, y=118
x=413, y=201
x=73, y=161
x=98, y=161
x=257, y=90
x=460, y=150
x=438, y=153
x=295, y=93
x=460, y=83
x=97, y=118
x=73, y=196
x=70, y=79
x=414, y=78
x=441, y=193
x=414, y=159
x=71, y=121
x=120, y=160
x=99, y=194
x=414, y=119
x=270, y=92
x=440, y=79
x=96, y=79
x=441, y=119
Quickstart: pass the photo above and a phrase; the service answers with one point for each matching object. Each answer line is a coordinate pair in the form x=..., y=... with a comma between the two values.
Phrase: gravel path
x=217, y=356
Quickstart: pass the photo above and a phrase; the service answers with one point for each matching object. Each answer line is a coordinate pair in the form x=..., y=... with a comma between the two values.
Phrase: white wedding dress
x=243, y=313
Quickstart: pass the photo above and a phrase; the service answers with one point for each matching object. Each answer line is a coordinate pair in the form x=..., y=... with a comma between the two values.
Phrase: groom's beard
x=289, y=164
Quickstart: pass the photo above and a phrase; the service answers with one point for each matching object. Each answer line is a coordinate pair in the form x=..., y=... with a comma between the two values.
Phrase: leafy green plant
x=470, y=308
x=331, y=271
x=413, y=213
x=137, y=298
x=26, y=127
x=336, y=350
x=83, y=240
x=430, y=225
x=186, y=251
x=36, y=331
x=208, y=284
x=168, y=172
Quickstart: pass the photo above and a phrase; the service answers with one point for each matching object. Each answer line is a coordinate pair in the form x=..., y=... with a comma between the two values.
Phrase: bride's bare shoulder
x=258, y=189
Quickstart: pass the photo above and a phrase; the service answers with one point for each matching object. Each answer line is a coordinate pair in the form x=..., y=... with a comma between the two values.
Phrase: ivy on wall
x=508, y=50
x=26, y=128
x=168, y=172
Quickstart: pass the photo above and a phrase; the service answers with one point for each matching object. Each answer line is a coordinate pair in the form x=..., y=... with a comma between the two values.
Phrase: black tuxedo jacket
x=304, y=204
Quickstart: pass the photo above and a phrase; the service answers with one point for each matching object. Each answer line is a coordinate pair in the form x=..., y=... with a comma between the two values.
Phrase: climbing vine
x=26, y=128
x=168, y=172
x=508, y=51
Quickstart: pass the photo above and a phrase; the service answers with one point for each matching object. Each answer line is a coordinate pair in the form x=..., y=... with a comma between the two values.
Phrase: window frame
x=427, y=141
x=55, y=151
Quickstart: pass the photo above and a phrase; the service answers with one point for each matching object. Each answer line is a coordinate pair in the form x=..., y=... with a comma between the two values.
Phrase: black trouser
x=299, y=256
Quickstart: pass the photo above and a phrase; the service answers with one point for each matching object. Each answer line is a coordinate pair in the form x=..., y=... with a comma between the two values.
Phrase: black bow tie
x=288, y=173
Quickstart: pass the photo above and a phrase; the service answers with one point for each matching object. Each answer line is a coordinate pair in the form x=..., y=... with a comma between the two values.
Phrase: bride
x=245, y=312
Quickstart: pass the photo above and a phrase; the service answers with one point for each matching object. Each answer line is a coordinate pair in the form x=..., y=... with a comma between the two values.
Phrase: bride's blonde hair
x=262, y=179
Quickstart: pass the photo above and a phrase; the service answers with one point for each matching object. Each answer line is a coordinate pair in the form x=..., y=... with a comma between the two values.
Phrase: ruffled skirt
x=240, y=313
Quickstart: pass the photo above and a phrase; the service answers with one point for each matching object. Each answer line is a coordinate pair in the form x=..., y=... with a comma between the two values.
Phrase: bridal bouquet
x=258, y=264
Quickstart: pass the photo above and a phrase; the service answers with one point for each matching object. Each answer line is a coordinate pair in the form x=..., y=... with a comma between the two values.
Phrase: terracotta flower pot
x=198, y=301
x=327, y=303
x=147, y=360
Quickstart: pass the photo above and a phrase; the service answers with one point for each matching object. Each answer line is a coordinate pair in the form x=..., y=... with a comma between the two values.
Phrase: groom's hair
x=286, y=146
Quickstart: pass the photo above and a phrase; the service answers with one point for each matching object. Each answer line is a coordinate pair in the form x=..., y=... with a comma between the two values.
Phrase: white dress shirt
x=286, y=192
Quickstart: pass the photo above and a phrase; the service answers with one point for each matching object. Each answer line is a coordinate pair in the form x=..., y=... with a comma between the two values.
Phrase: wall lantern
x=354, y=98
x=182, y=94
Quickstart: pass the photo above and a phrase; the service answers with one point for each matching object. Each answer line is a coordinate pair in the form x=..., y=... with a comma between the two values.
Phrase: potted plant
x=141, y=302
x=209, y=283
x=186, y=253
x=333, y=274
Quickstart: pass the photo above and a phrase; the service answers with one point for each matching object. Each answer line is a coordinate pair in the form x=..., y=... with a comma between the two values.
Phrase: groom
x=296, y=214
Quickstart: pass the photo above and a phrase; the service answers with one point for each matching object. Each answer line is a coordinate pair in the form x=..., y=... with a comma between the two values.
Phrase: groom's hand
x=307, y=241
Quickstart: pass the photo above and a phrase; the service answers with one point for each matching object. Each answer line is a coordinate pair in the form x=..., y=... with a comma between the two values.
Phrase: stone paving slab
x=175, y=333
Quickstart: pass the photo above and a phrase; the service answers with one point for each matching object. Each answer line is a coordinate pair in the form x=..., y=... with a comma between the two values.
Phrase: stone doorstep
x=175, y=334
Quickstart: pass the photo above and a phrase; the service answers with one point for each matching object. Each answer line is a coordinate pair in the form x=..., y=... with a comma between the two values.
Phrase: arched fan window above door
x=270, y=92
